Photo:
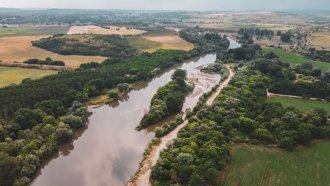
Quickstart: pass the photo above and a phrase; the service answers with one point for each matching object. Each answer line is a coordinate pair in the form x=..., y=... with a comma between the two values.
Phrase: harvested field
x=19, y=49
x=110, y=30
x=320, y=40
x=11, y=75
x=169, y=42
x=33, y=30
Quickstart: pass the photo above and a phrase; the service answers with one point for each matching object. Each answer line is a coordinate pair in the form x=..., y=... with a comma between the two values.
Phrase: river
x=108, y=151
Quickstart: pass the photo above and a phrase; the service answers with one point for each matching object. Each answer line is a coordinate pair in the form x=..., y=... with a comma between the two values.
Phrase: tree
x=174, y=102
x=73, y=121
x=123, y=87
x=286, y=37
x=181, y=74
x=247, y=125
x=113, y=94
x=63, y=135
x=51, y=107
x=263, y=135
x=271, y=55
x=27, y=118
x=286, y=142
x=8, y=167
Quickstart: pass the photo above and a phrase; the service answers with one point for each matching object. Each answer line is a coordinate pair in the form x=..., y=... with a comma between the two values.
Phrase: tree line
x=47, y=61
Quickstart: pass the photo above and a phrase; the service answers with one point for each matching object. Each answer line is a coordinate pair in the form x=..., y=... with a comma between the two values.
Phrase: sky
x=170, y=4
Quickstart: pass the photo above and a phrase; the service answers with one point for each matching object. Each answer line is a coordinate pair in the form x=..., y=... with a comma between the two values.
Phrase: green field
x=295, y=59
x=261, y=166
x=11, y=75
x=33, y=31
x=142, y=44
x=302, y=104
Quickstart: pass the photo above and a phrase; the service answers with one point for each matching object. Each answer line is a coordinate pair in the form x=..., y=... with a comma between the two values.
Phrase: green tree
x=8, y=167
x=27, y=118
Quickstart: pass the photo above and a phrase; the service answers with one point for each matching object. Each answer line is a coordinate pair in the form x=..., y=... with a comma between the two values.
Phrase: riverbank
x=142, y=176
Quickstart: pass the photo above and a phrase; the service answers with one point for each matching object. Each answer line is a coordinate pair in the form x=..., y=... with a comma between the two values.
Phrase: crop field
x=261, y=166
x=320, y=39
x=295, y=59
x=10, y=75
x=33, y=30
x=173, y=42
x=111, y=30
x=142, y=44
x=19, y=49
x=301, y=104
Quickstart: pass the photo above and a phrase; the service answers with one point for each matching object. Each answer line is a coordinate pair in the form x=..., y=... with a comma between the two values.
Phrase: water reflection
x=109, y=152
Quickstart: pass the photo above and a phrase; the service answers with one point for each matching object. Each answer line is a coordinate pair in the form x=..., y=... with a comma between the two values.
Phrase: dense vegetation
x=88, y=45
x=168, y=100
x=42, y=114
x=241, y=113
x=318, y=55
x=246, y=34
x=205, y=40
x=283, y=79
x=246, y=52
x=47, y=61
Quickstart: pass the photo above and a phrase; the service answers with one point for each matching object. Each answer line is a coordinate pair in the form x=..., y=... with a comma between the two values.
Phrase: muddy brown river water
x=108, y=151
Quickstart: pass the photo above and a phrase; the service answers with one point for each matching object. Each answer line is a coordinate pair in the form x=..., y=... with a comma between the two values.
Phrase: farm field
x=295, y=59
x=33, y=30
x=10, y=75
x=142, y=44
x=261, y=166
x=301, y=104
x=173, y=42
x=320, y=39
x=19, y=49
x=91, y=29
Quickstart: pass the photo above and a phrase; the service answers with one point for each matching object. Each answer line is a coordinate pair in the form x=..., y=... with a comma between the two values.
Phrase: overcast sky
x=170, y=4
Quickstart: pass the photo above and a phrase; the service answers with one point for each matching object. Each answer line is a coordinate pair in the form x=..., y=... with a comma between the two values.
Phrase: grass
x=261, y=166
x=11, y=75
x=295, y=59
x=301, y=104
x=142, y=44
x=33, y=31
x=19, y=49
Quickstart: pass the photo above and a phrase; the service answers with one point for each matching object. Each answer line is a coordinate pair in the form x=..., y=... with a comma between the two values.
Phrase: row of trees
x=168, y=100
x=241, y=113
x=47, y=61
x=318, y=55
